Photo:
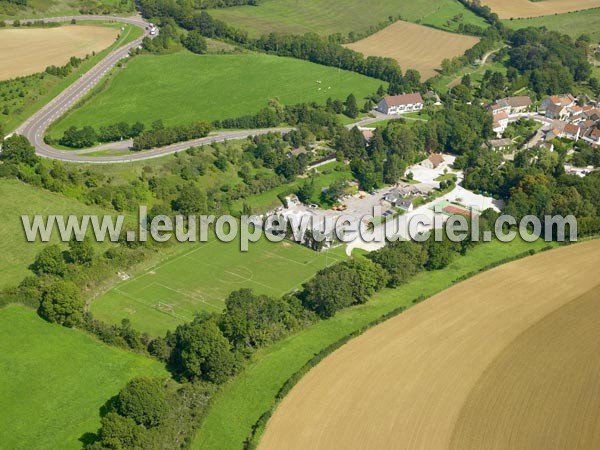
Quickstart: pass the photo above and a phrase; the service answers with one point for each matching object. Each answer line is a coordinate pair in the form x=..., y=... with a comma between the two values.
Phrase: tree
x=195, y=42
x=119, y=433
x=62, y=303
x=81, y=252
x=202, y=352
x=17, y=150
x=342, y=285
x=307, y=190
x=351, y=107
x=49, y=261
x=191, y=201
x=401, y=259
x=143, y=400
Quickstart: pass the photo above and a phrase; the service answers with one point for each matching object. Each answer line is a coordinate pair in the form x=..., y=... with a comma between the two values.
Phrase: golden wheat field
x=526, y=8
x=506, y=360
x=25, y=51
x=414, y=46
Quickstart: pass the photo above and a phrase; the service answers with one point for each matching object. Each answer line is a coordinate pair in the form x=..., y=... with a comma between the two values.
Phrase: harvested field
x=31, y=50
x=505, y=360
x=415, y=46
x=526, y=8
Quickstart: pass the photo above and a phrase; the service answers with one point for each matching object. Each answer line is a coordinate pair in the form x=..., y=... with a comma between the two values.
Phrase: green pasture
x=343, y=16
x=54, y=380
x=17, y=199
x=183, y=87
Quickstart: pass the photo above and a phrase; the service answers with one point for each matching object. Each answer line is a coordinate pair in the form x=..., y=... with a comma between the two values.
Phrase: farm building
x=400, y=104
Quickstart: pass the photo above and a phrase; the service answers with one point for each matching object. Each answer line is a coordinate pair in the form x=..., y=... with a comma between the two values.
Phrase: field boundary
x=258, y=428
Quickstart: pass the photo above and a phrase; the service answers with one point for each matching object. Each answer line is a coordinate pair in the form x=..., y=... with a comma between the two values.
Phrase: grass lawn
x=201, y=275
x=39, y=91
x=343, y=16
x=53, y=381
x=18, y=199
x=574, y=24
x=242, y=401
x=183, y=87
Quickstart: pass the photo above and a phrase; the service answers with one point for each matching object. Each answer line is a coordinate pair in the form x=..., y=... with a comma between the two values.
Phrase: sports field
x=574, y=24
x=31, y=50
x=53, y=381
x=200, y=278
x=183, y=87
x=505, y=360
x=343, y=16
x=415, y=46
x=18, y=199
x=527, y=8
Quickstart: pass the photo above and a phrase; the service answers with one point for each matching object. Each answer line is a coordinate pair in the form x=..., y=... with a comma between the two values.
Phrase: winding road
x=35, y=127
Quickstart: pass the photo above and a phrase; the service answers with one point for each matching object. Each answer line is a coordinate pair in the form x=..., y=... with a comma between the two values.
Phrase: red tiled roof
x=571, y=129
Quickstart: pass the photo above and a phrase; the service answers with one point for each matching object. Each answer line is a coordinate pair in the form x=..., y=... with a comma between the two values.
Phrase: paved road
x=35, y=127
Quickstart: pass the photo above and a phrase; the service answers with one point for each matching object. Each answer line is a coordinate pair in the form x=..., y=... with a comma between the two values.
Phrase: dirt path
x=403, y=384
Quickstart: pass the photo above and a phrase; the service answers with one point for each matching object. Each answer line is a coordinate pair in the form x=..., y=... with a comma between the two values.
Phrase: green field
x=574, y=24
x=201, y=276
x=53, y=381
x=18, y=199
x=183, y=87
x=342, y=16
x=240, y=403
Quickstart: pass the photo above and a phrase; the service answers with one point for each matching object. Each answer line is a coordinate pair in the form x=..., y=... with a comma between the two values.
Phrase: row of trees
x=161, y=136
x=87, y=136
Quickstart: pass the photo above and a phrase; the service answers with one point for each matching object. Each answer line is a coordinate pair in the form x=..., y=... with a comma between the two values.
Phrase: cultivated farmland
x=53, y=381
x=527, y=8
x=31, y=50
x=183, y=87
x=343, y=16
x=415, y=46
x=466, y=369
x=200, y=278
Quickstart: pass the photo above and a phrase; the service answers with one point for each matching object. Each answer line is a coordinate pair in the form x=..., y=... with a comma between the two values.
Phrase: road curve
x=35, y=127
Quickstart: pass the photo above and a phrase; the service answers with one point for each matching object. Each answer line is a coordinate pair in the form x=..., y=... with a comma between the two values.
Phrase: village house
x=511, y=105
x=500, y=123
x=572, y=132
x=592, y=136
x=400, y=104
x=500, y=145
x=433, y=162
x=556, y=106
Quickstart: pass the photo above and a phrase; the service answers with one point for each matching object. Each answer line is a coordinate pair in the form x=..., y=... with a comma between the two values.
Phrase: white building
x=401, y=104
